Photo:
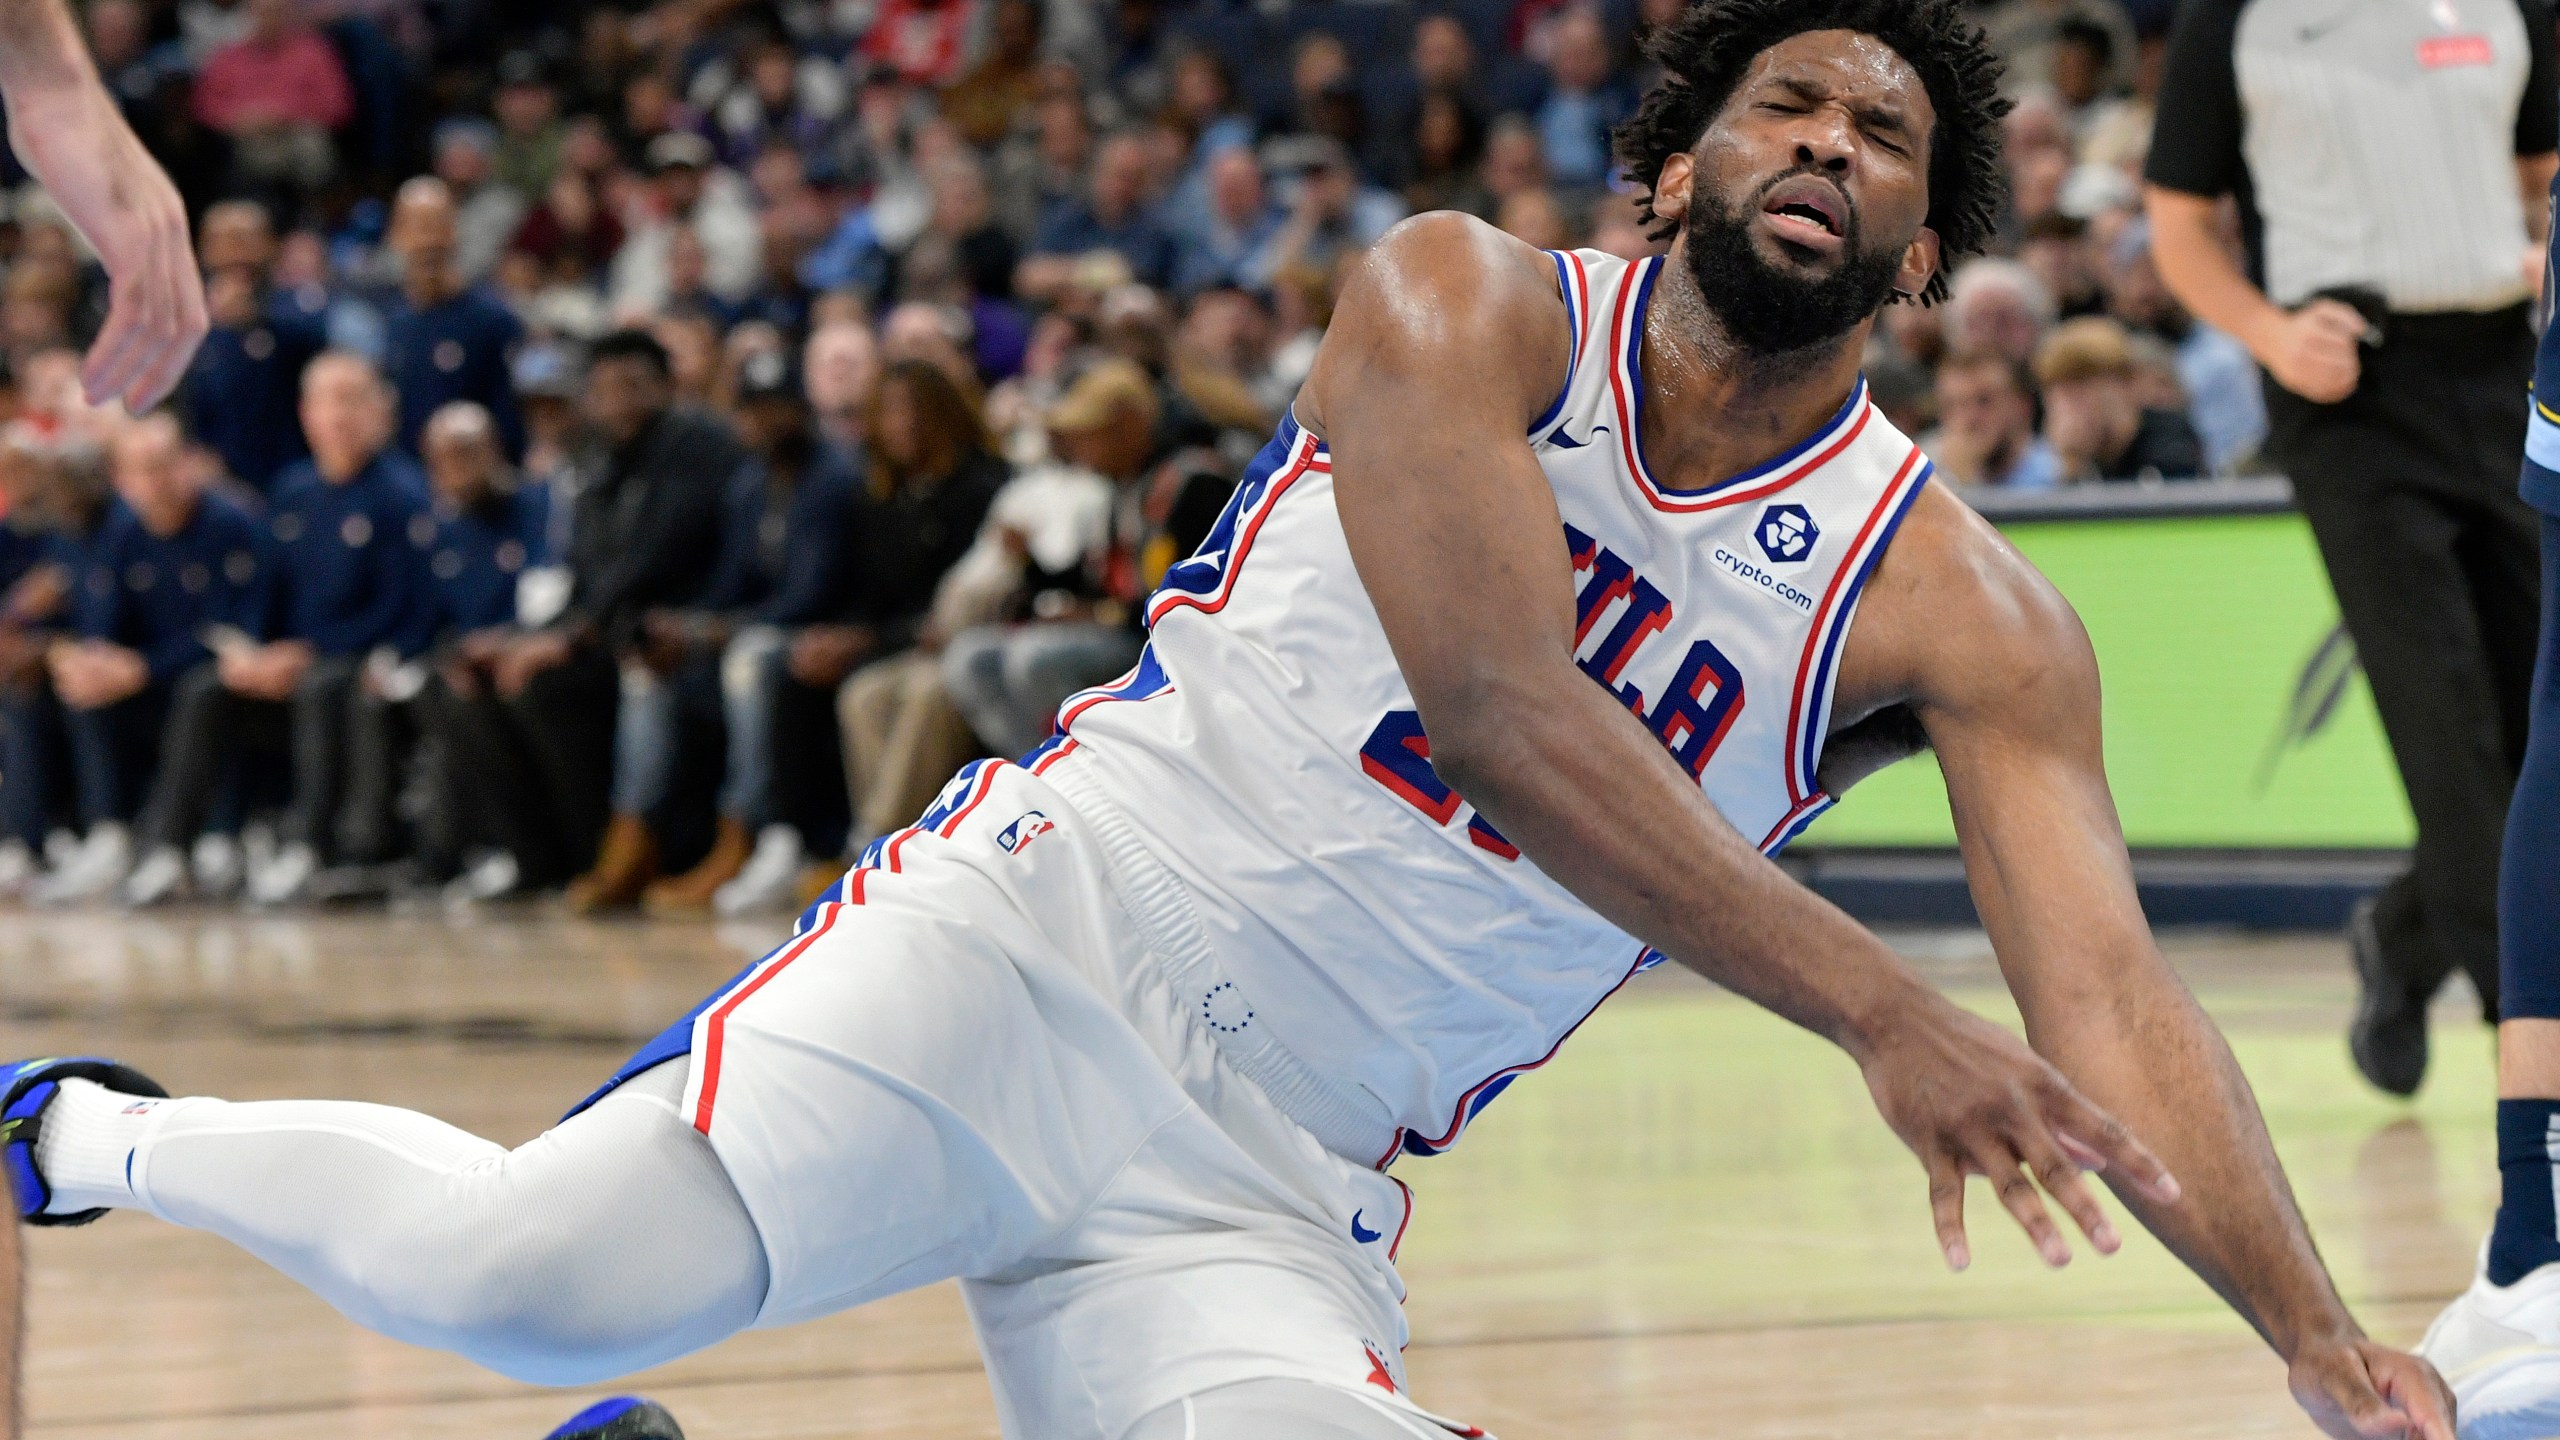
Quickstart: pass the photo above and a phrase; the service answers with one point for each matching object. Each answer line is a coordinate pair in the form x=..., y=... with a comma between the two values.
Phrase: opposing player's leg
x=2499, y=1344
x=610, y=1243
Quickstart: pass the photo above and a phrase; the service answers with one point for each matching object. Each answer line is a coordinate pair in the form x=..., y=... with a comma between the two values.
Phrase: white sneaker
x=2498, y=1346
x=767, y=881
x=280, y=881
x=18, y=866
x=493, y=876
x=218, y=866
x=156, y=880
x=95, y=869
x=60, y=846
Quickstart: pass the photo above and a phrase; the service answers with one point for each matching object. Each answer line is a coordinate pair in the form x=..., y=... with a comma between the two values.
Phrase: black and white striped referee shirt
x=2370, y=143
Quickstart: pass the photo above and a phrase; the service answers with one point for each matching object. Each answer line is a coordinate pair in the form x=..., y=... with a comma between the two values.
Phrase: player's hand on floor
x=2355, y=1389
x=1970, y=1098
x=72, y=139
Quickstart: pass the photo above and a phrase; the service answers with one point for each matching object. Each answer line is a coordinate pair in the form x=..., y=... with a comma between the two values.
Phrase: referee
x=2389, y=160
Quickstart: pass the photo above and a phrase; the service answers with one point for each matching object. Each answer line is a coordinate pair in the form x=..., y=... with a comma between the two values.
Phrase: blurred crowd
x=643, y=449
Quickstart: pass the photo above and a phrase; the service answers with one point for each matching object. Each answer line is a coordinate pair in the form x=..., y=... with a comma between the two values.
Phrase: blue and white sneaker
x=26, y=1089
x=624, y=1417
x=2498, y=1346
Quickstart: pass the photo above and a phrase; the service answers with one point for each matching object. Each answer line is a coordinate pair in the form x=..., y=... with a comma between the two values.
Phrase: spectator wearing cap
x=444, y=340
x=546, y=379
x=687, y=190
x=929, y=475
x=1112, y=215
x=789, y=517
x=487, y=529
x=569, y=776
x=2225, y=400
x=277, y=92
x=347, y=581
x=1230, y=232
x=1078, y=625
x=530, y=135
x=1986, y=431
x=1586, y=101
x=171, y=564
x=487, y=214
x=2094, y=416
x=244, y=386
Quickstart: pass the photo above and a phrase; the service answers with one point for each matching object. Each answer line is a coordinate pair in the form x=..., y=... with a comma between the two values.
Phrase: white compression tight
x=1280, y=1410
x=611, y=1243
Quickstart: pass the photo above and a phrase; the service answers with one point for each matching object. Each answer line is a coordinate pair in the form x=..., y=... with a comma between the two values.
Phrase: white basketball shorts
x=966, y=1063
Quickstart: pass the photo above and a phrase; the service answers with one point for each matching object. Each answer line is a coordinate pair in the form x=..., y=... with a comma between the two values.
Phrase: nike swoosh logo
x=1363, y=1233
x=1562, y=439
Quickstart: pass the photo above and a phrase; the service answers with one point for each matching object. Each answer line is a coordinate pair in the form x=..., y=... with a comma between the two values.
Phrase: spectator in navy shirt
x=1586, y=101
x=56, y=498
x=348, y=584
x=173, y=568
x=242, y=387
x=783, y=539
x=443, y=341
x=486, y=531
x=1113, y=215
x=1237, y=224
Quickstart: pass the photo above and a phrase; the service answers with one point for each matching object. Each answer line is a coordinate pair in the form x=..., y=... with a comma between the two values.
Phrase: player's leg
x=1281, y=1410
x=2500, y=1342
x=613, y=1242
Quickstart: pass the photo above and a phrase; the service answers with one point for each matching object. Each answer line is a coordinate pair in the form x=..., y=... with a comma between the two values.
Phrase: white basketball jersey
x=1268, y=752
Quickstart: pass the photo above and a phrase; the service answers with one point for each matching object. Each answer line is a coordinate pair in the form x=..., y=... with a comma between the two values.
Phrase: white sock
x=85, y=1148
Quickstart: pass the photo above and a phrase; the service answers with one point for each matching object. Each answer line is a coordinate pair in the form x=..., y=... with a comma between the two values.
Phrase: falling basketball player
x=67, y=131
x=1572, y=589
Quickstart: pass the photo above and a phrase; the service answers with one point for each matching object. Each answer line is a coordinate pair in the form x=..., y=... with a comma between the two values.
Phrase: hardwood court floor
x=1691, y=1224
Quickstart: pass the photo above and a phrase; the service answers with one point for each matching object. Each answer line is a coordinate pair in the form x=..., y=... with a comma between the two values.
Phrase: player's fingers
x=172, y=341
x=2101, y=1142
x=2062, y=1180
x=2018, y=1195
x=2420, y=1393
x=105, y=372
x=1946, y=1208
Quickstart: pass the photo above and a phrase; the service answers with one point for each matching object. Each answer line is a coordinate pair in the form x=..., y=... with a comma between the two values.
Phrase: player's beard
x=1770, y=311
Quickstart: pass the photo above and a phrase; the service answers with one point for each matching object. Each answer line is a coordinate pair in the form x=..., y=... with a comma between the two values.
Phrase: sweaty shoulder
x=1448, y=312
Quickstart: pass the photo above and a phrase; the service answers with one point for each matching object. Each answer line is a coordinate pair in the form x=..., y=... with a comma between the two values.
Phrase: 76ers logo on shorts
x=1017, y=837
x=1786, y=534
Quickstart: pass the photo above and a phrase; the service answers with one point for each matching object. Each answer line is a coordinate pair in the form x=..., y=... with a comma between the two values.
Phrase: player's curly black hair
x=1704, y=53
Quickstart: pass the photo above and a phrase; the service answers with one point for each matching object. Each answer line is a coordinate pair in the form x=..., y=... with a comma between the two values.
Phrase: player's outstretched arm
x=69, y=133
x=2005, y=683
x=1450, y=339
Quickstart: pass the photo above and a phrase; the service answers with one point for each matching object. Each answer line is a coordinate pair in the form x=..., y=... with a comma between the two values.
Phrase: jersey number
x=1691, y=720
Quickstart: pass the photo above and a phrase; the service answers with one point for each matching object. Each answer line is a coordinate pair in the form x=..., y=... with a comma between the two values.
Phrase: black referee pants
x=2410, y=488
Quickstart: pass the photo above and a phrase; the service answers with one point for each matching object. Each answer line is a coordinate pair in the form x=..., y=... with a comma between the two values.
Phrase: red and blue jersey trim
x=1626, y=385
x=1206, y=581
x=708, y=1021
x=1482, y=1093
x=1809, y=708
x=1145, y=681
x=1575, y=285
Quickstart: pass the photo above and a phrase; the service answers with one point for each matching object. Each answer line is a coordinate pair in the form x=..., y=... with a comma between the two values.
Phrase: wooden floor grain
x=1690, y=1224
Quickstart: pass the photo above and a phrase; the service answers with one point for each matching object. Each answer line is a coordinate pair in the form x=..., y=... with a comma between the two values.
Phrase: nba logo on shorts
x=1786, y=534
x=1017, y=837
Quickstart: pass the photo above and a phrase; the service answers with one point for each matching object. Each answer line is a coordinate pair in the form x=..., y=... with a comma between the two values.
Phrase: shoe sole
x=2515, y=1397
